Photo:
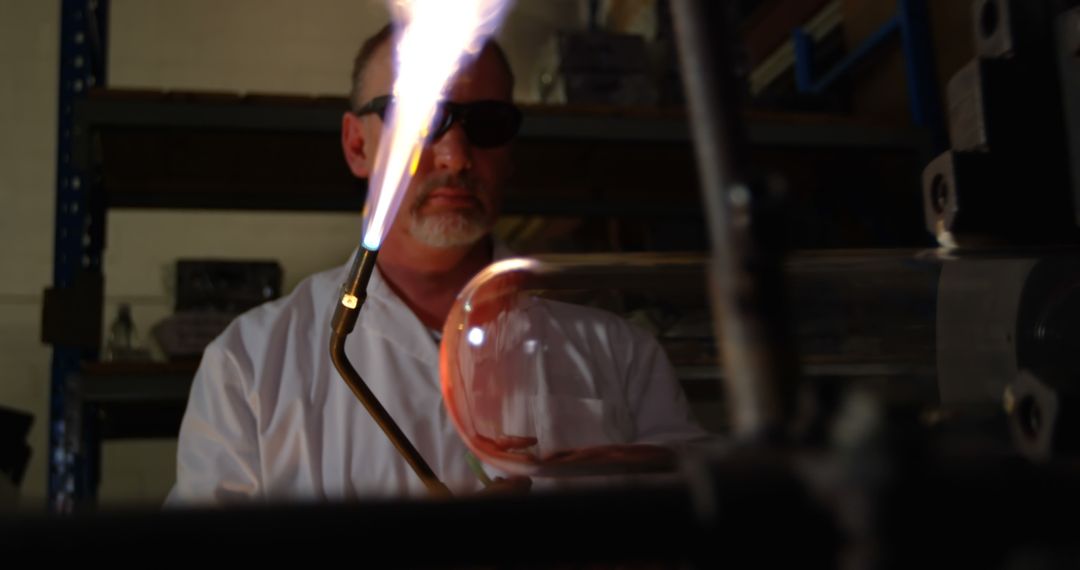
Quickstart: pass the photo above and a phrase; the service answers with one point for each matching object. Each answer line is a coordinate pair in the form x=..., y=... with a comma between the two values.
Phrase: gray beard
x=449, y=229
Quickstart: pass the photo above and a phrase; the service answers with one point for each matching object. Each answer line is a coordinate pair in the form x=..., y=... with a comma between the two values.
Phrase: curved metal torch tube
x=353, y=295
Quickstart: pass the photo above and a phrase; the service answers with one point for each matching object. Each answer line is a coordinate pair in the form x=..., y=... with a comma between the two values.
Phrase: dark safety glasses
x=486, y=124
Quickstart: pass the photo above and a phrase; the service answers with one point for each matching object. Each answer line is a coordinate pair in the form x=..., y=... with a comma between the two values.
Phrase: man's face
x=454, y=198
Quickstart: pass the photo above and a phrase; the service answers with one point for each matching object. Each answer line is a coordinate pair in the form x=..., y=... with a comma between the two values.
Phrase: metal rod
x=353, y=295
x=747, y=286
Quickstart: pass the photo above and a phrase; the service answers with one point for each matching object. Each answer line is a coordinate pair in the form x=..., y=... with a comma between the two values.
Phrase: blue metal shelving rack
x=79, y=238
x=912, y=23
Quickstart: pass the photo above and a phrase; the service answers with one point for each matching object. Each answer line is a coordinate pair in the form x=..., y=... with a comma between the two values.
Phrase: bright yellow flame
x=438, y=38
x=415, y=162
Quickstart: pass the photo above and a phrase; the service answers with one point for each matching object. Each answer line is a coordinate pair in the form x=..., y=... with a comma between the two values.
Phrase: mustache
x=459, y=181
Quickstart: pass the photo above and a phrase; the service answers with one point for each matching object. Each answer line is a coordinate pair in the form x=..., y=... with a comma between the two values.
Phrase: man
x=268, y=416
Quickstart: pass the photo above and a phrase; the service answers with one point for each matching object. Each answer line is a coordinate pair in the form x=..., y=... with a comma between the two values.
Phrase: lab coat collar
x=386, y=315
x=378, y=287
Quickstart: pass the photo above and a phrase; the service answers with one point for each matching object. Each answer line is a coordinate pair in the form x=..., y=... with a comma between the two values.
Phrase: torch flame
x=439, y=37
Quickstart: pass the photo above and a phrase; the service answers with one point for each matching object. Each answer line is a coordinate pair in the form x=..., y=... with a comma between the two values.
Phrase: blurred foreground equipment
x=1012, y=176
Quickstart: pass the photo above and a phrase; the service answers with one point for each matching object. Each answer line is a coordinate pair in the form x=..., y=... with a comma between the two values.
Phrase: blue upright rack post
x=79, y=237
x=918, y=43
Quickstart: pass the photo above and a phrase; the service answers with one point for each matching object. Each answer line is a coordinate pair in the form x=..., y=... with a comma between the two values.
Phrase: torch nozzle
x=353, y=292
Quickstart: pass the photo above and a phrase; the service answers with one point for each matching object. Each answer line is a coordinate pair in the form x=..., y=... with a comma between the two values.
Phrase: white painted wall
x=274, y=46
x=28, y=56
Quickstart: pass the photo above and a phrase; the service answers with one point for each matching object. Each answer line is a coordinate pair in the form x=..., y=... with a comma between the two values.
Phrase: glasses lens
x=441, y=122
x=381, y=104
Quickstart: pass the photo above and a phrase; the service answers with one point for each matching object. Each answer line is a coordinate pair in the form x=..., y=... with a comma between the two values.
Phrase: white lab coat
x=269, y=418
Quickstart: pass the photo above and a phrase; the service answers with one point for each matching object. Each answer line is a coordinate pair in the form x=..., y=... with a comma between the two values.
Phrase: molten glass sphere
x=532, y=356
